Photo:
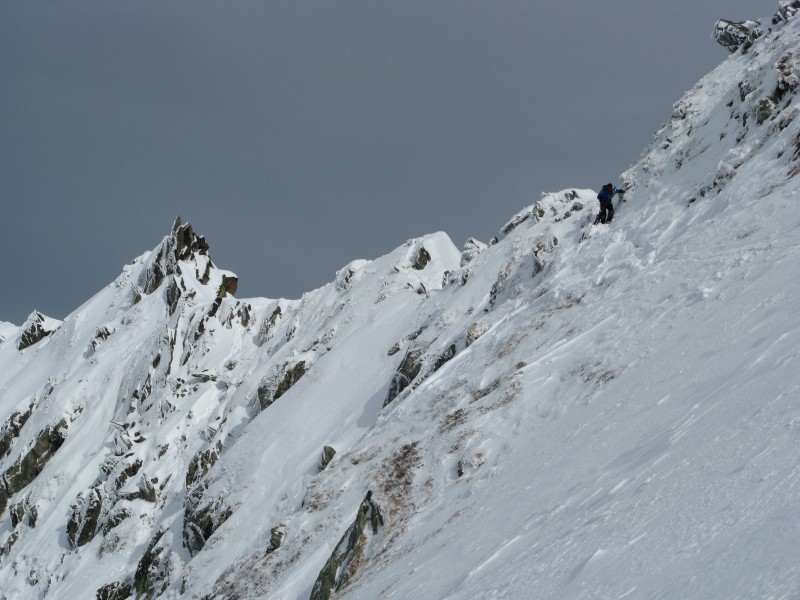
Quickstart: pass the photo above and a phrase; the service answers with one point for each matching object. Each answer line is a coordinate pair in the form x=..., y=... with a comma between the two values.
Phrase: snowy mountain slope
x=570, y=412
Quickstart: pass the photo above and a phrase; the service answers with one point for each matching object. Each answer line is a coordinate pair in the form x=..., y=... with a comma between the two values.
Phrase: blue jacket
x=606, y=196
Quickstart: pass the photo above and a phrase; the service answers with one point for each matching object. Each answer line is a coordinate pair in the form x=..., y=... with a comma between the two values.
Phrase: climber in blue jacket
x=606, y=197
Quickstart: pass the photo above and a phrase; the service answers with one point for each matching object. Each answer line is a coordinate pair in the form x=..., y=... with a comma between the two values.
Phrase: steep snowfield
x=573, y=411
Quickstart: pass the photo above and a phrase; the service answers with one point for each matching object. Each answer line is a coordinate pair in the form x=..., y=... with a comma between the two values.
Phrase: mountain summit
x=568, y=411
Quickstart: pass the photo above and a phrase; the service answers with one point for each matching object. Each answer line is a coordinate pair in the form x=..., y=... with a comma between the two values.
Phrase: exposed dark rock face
x=34, y=330
x=180, y=245
x=406, y=372
x=28, y=466
x=228, y=286
x=241, y=312
x=515, y=222
x=348, y=556
x=788, y=76
x=421, y=259
x=327, y=456
x=114, y=591
x=82, y=525
x=419, y=362
x=116, y=517
x=201, y=463
x=265, y=332
x=444, y=357
x=94, y=510
x=102, y=334
x=173, y=294
x=154, y=571
x=23, y=512
x=289, y=374
x=292, y=376
x=264, y=397
x=187, y=242
x=787, y=10
x=764, y=110
x=276, y=538
x=736, y=35
x=6, y=548
x=11, y=429
x=201, y=519
x=408, y=338
x=146, y=491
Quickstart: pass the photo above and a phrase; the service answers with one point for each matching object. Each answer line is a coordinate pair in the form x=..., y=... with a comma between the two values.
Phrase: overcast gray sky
x=297, y=136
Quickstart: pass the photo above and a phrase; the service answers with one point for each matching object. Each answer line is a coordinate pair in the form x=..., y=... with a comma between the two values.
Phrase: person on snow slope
x=606, y=197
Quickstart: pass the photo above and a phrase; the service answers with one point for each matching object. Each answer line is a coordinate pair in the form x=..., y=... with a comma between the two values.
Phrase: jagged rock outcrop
x=421, y=258
x=291, y=376
x=114, y=591
x=472, y=248
x=202, y=518
x=181, y=245
x=201, y=463
x=349, y=555
x=421, y=360
x=736, y=36
x=786, y=10
x=156, y=568
x=11, y=429
x=267, y=327
x=328, y=452
x=228, y=286
x=279, y=382
x=445, y=356
x=28, y=466
x=36, y=328
x=408, y=370
x=96, y=509
x=24, y=512
x=103, y=333
x=276, y=536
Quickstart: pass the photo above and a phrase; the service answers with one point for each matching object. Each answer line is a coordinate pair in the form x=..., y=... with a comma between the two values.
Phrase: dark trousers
x=606, y=213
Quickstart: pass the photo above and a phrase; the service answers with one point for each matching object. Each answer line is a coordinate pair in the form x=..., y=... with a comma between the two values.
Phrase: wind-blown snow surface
x=573, y=411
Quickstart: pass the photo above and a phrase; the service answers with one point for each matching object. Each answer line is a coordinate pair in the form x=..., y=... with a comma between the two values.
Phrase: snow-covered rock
x=35, y=329
x=572, y=411
x=786, y=10
x=735, y=35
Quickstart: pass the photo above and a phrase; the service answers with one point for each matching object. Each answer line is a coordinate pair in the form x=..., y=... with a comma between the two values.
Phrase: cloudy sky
x=297, y=136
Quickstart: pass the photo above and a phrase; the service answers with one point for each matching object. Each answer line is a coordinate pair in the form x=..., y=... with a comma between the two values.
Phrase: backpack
x=605, y=195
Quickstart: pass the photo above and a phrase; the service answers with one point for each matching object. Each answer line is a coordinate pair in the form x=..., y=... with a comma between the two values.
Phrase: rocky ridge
x=171, y=440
